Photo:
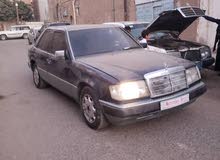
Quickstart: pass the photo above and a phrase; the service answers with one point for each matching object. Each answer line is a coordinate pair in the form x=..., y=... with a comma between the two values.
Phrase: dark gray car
x=111, y=76
x=164, y=33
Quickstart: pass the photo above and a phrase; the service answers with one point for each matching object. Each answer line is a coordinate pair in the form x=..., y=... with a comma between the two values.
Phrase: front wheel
x=38, y=81
x=25, y=36
x=91, y=109
x=3, y=37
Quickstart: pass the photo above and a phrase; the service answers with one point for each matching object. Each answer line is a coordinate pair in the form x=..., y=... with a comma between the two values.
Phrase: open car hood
x=176, y=20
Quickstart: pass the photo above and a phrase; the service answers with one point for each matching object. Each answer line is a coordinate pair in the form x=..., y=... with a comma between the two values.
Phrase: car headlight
x=129, y=90
x=205, y=52
x=192, y=75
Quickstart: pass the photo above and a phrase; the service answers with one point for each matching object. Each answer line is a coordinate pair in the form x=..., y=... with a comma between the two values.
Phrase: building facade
x=91, y=12
x=41, y=10
x=148, y=10
x=27, y=1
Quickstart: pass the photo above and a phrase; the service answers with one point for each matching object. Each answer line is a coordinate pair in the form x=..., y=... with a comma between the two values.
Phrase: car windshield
x=100, y=40
x=136, y=29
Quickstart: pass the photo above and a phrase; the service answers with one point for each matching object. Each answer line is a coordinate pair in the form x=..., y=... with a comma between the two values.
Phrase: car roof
x=57, y=23
x=126, y=23
x=80, y=27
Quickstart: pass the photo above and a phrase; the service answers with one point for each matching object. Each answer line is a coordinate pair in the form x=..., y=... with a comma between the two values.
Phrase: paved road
x=46, y=125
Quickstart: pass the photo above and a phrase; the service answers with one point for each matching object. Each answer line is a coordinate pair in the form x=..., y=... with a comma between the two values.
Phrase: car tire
x=25, y=36
x=91, y=109
x=29, y=42
x=3, y=37
x=38, y=81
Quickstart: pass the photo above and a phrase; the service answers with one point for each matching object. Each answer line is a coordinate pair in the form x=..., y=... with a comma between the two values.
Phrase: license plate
x=164, y=105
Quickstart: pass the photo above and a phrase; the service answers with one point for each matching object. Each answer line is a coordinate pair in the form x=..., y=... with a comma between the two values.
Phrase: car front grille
x=170, y=81
x=191, y=11
x=192, y=55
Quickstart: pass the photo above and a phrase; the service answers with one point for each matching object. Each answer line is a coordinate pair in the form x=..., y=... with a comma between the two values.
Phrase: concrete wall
x=206, y=30
x=95, y=11
x=52, y=10
x=100, y=11
x=148, y=10
x=43, y=10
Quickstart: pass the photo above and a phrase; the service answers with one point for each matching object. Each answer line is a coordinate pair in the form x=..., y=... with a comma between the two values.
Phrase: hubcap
x=3, y=37
x=88, y=108
x=36, y=76
x=25, y=36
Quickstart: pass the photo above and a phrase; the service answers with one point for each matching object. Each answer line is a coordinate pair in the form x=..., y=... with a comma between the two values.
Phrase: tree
x=8, y=11
x=25, y=12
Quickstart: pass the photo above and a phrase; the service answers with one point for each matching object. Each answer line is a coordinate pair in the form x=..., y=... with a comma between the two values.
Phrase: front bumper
x=146, y=109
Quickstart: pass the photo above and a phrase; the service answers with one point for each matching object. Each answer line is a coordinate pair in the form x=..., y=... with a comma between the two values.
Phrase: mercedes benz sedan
x=165, y=33
x=111, y=76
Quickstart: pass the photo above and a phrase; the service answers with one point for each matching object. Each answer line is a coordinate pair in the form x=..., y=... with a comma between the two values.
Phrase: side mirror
x=60, y=54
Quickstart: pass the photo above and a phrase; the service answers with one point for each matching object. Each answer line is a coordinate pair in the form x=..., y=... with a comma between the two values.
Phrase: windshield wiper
x=128, y=48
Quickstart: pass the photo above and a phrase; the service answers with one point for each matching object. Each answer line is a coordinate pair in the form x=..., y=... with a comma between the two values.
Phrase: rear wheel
x=91, y=109
x=25, y=36
x=3, y=37
x=29, y=42
x=38, y=81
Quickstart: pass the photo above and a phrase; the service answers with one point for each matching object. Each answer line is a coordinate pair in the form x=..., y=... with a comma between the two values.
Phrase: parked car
x=111, y=76
x=17, y=31
x=32, y=35
x=164, y=33
x=136, y=27
x=46, y=25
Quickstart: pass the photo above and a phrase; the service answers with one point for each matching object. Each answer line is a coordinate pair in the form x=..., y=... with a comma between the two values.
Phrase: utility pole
x=16, y=5
x=113, y=9
x=125, y=10
x=74, y=12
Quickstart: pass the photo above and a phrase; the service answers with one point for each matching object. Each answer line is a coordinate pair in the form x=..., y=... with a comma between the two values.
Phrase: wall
x=52, y=10
x=27, y=1
x=206, y=30
x=148, y=10
x=104, y=11
x=40, y=8
x=97, y=11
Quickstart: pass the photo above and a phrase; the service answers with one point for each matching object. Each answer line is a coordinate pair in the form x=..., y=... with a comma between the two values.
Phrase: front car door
x=43, y=56
x=61, y=69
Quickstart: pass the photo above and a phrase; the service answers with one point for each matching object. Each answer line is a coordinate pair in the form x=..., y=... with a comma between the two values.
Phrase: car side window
x=59, y=42
x=45, y=41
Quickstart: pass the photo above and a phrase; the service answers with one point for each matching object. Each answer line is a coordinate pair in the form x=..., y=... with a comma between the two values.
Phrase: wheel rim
x=36, y=77
x=3, y=37
x=25, y=36
x=88, y=108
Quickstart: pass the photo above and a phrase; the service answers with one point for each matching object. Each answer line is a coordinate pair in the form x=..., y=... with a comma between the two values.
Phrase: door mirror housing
x=60, y=54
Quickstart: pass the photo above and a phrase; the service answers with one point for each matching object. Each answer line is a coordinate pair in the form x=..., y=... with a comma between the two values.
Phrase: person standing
x=217, y=39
